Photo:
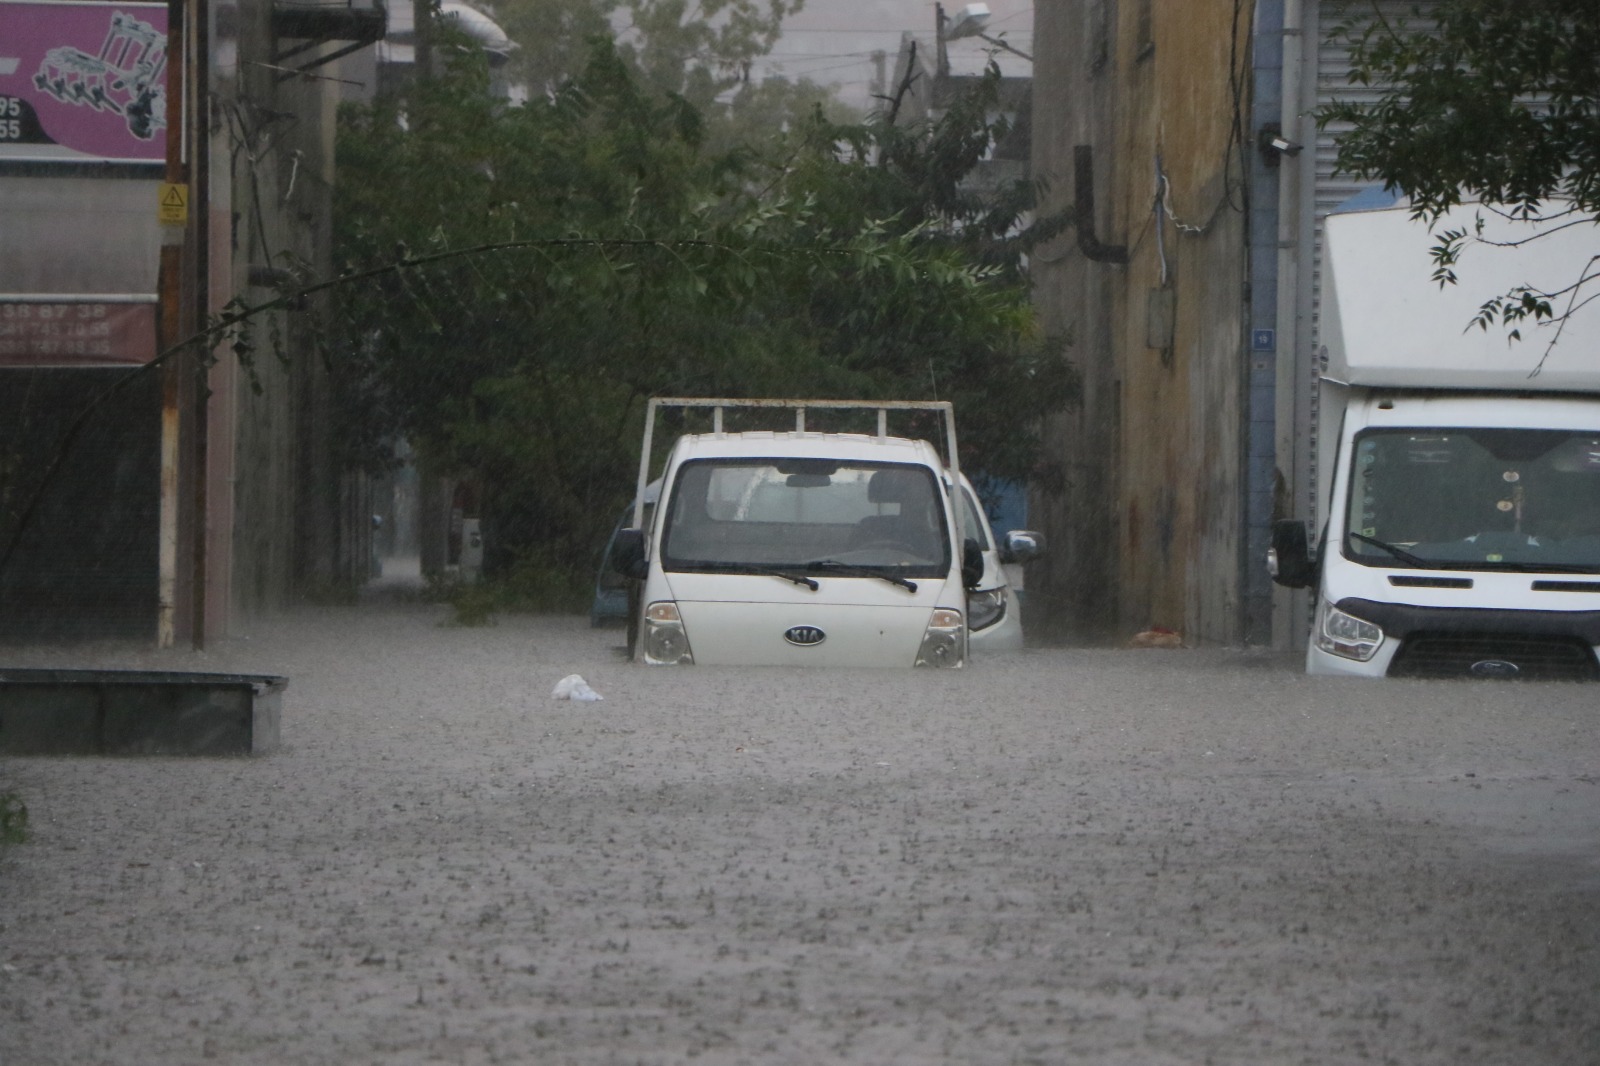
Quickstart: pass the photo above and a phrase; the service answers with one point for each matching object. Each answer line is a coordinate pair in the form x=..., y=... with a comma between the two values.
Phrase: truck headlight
x=944, y=643
x=1346, y=635
x=665, y=642
x=984, y=609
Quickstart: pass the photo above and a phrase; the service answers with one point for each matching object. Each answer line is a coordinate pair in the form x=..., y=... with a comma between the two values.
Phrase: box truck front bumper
x=1369, y=638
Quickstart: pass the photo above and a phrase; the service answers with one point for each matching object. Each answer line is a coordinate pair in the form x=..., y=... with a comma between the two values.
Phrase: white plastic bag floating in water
x=574, y=687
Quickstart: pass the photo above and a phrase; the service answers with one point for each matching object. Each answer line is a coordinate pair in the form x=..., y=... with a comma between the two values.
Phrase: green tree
x=561, y=261
x=696, y=50
x=915, y=179
x=702, y=52
x=1496, y=101
x=766, y=112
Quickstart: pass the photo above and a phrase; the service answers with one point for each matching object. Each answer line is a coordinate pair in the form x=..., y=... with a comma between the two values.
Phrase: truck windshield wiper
x=752, y=568
x=861, y=571
x=1396, y=551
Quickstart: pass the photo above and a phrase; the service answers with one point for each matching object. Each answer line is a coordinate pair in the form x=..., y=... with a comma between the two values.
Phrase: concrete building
x=1138, y=120
x=1182, y=138
x=163, y=497
x=925, y=82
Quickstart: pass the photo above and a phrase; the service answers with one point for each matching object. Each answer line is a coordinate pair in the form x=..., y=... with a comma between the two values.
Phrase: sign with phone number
x=83, y=82
x=87, y=333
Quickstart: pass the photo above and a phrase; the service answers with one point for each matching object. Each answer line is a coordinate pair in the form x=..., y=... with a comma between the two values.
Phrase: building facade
x=1183, y=140
x=171, y=164
x=1138, y=113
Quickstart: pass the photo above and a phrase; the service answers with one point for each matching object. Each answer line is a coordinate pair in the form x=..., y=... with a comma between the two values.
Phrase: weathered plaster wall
x=300, y=524
x=1147, y=531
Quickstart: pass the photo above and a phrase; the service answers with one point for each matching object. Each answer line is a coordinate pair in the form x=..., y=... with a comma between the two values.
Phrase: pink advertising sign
x=83, y=81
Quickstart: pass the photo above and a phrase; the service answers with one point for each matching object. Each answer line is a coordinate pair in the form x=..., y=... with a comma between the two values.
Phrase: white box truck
x=799, y=547
x=1458, y=475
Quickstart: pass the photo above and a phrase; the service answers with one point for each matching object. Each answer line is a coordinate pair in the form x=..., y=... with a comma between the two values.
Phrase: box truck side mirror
x=1289, y=560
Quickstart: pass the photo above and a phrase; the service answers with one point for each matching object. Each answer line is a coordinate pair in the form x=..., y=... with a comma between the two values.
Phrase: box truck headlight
x=665, y=642
x=945, y=641
x=1346, y=635
x=984, y=609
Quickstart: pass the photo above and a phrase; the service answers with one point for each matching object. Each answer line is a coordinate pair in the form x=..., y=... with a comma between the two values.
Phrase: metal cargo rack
x=943, y=407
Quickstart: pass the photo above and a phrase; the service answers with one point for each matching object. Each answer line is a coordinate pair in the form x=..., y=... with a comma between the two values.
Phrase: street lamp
x=969, y=22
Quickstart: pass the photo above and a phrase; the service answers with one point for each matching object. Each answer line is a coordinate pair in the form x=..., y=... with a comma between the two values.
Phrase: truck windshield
x=1479, y=499
x=880, y=518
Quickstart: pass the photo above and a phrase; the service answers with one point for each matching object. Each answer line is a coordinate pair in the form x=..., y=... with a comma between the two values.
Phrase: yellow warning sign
x=174, y=209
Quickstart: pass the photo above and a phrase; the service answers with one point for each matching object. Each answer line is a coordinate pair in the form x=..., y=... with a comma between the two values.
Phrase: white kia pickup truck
x=799, y=547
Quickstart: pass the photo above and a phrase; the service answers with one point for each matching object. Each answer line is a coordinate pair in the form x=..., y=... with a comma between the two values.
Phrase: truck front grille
x=1491, y=655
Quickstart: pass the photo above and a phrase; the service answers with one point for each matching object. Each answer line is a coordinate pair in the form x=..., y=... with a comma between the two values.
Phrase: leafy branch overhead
x=1493, y=101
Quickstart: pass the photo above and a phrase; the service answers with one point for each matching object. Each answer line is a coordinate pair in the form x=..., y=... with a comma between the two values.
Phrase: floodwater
x=1139, y=857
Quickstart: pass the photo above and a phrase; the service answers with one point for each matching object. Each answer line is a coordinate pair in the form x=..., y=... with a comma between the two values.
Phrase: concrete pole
x=1290, y=608
x=422, y=39
x=170, y=293
x=199, y=125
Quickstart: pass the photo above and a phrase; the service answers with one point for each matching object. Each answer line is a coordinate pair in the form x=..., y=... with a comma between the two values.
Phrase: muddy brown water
x=1101, y=856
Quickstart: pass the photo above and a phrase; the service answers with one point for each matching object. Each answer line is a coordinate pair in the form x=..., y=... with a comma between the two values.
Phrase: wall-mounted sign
x=77, y=333
x=173, y=206
x=83, y=82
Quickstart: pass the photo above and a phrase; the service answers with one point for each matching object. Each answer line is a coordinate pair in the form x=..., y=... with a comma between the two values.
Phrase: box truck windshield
x=1475, y=498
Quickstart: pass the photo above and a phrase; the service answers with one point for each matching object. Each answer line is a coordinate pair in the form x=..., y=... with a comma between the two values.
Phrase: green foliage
x=1489, y=100
x=13, y=819
x=476, y=604
x=702, y=53
x=534, y=273
x=757, y=113
x=698, y=51
x=961, y=327
x=536, y=581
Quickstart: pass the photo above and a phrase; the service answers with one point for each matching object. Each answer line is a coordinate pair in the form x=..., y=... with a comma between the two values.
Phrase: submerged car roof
x=847, y=446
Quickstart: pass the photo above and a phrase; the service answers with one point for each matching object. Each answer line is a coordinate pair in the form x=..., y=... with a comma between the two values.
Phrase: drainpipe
x=1083, y=210
x=1267, y=175
x=1291, y=613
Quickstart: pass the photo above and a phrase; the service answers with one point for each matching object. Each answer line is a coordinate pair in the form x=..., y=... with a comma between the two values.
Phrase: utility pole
x=198, y=114
x=181, y=291
x=174, y=228
x=422, y=38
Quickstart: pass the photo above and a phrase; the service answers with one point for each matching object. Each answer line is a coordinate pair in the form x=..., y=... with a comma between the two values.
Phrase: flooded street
x=1103, y=856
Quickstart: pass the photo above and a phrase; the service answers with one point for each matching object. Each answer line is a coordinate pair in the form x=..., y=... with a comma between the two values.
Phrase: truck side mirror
x=1021, y=545
x=1289, y=559
x=627, y=554
x=971, y=563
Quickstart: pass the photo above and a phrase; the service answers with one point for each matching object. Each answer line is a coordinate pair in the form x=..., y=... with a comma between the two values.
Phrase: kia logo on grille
x=1494, y=668
x=805, y=636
